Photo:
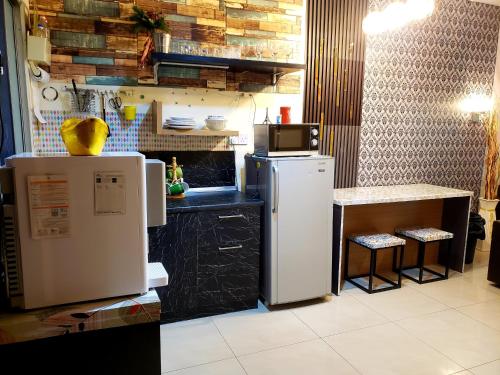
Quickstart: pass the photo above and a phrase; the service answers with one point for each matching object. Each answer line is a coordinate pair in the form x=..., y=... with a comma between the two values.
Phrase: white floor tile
x=479, y=277
x=253, y=333
x=401, y=303
x=340, y=314
x=388, y=349
x=191, y=343
x=481, y=259
x=456, y=292
x=476, y=272
x=464, y=340
x=349, y=288
x=311, y=358
x=226, y=367
x=486, y=312
x=492, y=368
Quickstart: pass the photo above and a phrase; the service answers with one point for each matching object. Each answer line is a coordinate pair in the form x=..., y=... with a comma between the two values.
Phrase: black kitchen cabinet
x=212, y=259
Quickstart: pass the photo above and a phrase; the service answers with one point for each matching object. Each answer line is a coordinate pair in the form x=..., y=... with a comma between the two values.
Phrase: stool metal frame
x=373, y=268
x=420, y=262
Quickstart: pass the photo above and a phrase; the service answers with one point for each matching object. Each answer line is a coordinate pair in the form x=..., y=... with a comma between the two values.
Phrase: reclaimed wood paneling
x=94, y=39
x=121, y=43
x=334, y=80
x=52, y=5
x=72, y=24
x=114, y=28
x=116, y=71
x=92, y=8
x=77, y=69
x=157, y=6
x=77, y=40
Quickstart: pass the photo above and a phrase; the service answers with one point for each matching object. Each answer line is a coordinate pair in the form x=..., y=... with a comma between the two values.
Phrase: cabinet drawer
x=229, y=260
x=227, y=300
x=228, y=227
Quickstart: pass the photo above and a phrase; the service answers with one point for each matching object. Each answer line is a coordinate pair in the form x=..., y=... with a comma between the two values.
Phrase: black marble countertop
x=211, y=200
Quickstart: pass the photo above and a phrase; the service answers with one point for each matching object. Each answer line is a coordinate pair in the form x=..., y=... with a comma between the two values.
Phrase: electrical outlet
x=242, y=139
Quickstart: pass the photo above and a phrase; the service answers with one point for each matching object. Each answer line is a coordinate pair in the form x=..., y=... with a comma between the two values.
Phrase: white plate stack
x=183, y=123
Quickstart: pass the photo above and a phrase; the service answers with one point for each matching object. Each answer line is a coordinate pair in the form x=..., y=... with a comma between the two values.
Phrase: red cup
x=285, y=115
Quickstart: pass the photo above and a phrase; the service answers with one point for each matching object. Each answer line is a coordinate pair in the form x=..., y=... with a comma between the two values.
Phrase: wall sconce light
x=476, y=105
x=397, y=15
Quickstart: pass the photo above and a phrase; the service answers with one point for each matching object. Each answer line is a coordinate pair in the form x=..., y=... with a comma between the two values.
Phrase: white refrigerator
x=78, y=228
x=296, y=256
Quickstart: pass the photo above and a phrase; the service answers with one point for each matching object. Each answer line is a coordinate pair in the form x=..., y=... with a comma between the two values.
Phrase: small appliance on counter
x=286, y=140
x=75, y=228
x=298, y=222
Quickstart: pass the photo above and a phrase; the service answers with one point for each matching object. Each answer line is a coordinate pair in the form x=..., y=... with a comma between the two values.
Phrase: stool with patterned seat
x=374, y=243
x=419, y=273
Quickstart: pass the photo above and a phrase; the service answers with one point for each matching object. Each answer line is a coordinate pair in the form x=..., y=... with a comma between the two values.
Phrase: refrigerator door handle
x=276, y=188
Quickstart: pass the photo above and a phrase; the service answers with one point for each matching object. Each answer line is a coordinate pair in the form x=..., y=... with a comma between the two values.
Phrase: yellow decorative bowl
x=84, y=137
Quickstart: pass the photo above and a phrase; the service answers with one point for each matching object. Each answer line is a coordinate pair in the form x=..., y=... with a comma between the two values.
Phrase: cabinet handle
x=232, y=217
x=231, y=248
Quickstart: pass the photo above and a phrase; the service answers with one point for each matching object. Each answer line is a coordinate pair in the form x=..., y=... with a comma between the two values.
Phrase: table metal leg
x=346, y=260
x=373, y=265
x=421, y=258
x=400, y=271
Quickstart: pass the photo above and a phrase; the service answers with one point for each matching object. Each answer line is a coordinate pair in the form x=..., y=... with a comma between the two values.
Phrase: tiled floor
x=448, y=327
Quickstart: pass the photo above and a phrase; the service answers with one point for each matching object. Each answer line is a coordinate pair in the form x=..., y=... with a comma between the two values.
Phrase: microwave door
x=289, y=140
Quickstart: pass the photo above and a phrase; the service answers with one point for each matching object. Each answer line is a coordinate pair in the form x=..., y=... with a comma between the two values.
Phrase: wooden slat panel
x=334, y=79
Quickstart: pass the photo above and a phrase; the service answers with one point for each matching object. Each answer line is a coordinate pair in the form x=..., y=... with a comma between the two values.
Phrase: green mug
x=175, y=189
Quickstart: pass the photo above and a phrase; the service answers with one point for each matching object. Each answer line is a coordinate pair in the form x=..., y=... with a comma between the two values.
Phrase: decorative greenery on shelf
x=492, y=153
x=150, y=23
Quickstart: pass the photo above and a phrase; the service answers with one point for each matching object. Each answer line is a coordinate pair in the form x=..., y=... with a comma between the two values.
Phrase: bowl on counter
x=216, y=123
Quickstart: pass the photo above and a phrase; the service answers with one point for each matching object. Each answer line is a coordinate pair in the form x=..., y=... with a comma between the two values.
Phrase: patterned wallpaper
x=411, y=129
x=92, y=40
x=125, y=135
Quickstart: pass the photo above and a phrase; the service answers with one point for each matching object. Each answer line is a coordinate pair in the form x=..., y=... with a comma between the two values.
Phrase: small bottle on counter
x=278, y=119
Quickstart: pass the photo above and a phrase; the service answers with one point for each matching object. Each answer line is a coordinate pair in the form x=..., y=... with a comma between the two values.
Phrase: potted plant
x=157, y=29
x=488, y=204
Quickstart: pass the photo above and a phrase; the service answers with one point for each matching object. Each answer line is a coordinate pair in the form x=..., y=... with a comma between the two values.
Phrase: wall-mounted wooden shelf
x=233, y=65
x=276, y=69
x=199, y=133
x=158, y=126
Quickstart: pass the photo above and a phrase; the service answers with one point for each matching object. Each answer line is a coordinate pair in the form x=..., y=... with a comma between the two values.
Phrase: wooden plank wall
x=93, y=43
x=335, y=54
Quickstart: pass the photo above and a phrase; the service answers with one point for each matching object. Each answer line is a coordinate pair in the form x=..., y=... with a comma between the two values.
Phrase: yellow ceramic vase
x=84, y=137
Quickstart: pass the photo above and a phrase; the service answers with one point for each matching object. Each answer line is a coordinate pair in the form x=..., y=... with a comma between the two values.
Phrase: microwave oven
x=272, y=140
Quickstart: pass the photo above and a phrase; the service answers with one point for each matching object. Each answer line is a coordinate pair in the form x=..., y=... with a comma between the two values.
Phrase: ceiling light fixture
x=397, y=15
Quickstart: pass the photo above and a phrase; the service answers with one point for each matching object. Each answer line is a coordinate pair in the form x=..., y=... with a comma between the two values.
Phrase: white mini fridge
x=298, y=222
x=78, y=228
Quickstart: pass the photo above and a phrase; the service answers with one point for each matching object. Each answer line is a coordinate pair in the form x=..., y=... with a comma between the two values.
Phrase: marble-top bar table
x=382, y=209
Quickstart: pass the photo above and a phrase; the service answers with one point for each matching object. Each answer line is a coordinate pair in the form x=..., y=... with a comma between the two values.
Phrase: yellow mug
x=130, y=112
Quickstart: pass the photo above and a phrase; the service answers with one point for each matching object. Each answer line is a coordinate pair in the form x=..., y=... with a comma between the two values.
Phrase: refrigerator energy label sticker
x=49, y=206
x=109, y=193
